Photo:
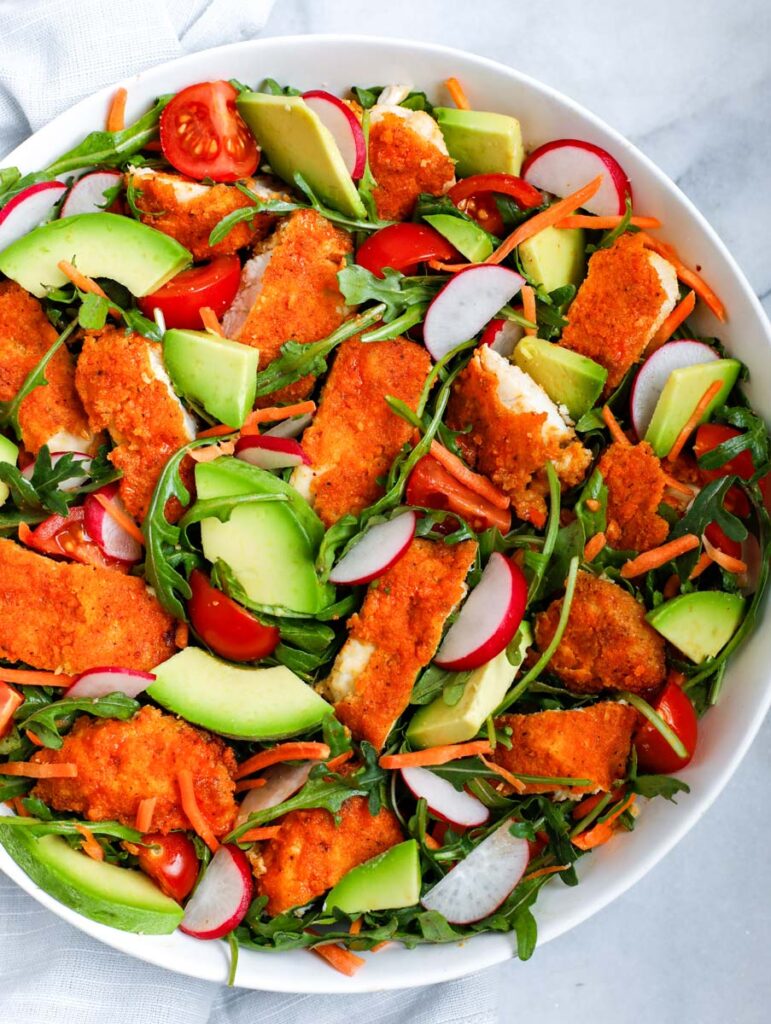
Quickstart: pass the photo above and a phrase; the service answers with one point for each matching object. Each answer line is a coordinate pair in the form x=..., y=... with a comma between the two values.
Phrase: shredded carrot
x=89, y=844
x=448, y=268
x=676, y=677
x=657, y=557
x=121, y=518
x=679, y=314
x=116, y=115
x=594, y=546
x=686, y=275
x=614, y=426
x=435, y=755
x=581, y=220
x=33, y=770
x=272, y=414
x=592, y=504
x=343, y=960
x=210, y=321
x=18, y=805
x=727, y=562
x=246, y=784
x=190, y=806
x=283, y=752
x=217, y=431
x=601, y=833
x=182, y=635
x=145, y=814
x=10, y=701
x=258, y=835
x=336, y=762
x=677, y=485
x=672, y=586
x=83, y=283
x=701, y=566
x=34, y=738
x=528, y=307
x=355, y=927
x=459, y=98
x=694, y=419
x=380, y=945
x=212, y=451
x=505, y=774
x=474, y=481
x=431, y=843
x=31, y=677
x=545, y=871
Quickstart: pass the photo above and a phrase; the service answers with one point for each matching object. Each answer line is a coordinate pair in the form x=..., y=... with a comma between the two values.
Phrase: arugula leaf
x=9, y=410
x=47, y=721
x=272, y=87
x=92, y=314
x=397, y=292
x=432, y=682
x=367, y=97
x=69, y=827
x=594, y=490
x=707, y=507
x=527, y=933
x=367, y=183
x=658, y=785
x=223, y=508
x=754, y=439
x=613, y=235
x=550, y=311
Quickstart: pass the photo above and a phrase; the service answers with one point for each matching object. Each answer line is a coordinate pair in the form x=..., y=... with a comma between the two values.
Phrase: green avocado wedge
x=99, y=245
x=9, y=453
x=386, y=882
x=682, y=393
x=568, y=378
x=469, y=239
x=699, y=624
x=481, y=142
x=119, y=897
x=219, y=374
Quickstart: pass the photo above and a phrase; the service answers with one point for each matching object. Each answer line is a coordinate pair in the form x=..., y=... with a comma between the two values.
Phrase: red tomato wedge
x=403, y=247
x=203, y=135
x=230, y=630
x=654, y=754
x=181, y=299
x=65, y=537
x=170, y=861
x=476, y=196
x=431, y=486
x=708, y=437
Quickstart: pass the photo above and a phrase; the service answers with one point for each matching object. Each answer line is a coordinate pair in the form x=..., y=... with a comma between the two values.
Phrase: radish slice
x=479, y=884
x=377, y=551
x=502, y=336
x=87, y=194
x=113, y=540
x=562, y=166
x=489, y=618
x=444, y=800
x=270, y=452
x=654, y=374
x=222, y=898
x=28, y=209
x=290, y=428
x=341, y=121
x=465, y=304
x=752, y=557
x=74, y=482
x=281, y=782
x=99, y=682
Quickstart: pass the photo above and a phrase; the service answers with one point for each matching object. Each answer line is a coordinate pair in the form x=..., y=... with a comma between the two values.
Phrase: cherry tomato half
x=723, y=543
x=654, y=754
x=65, y=537
x=431, y=486
x=708, y=437
x=476, y=197
x=181, y=299
x=171, y=862
x=203, y=135
x=403, y=247
x=225, y=626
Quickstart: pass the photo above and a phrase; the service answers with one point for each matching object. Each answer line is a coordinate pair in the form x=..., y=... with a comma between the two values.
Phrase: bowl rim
x=479, y=952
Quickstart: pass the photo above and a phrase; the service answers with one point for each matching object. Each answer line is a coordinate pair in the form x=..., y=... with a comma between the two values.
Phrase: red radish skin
x=222, y=898
x=99, y=682
x=379, y=549
x=281, y=782
x=466, y=303
x=28, y=209
x=654, y=374
x=112, y=539
x=87, y=194
x=489, y=618
x=479, y=884
x=451, y=805
x=502, y=336
x=563, y=166
x=67, y=485
x=270, y=452
x=343, y=124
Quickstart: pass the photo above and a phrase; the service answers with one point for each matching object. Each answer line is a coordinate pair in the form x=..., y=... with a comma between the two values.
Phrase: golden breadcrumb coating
x=404, y=164
x=70, y=617
x=636, y=486
x=122, y=763
x=607, y=645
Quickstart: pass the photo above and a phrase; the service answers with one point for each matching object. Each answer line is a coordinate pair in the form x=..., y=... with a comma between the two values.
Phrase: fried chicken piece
x=515, y=430
x=52, y=414
x=189, y=211
x=628, y=293
x=587, y=743
x=125, y=388
x=69, y=617
x=289, y=291
x=355, y=435
x=395, y=635
x=607, y=645
x=311, y=853
x=636, y=484
x=122, y=763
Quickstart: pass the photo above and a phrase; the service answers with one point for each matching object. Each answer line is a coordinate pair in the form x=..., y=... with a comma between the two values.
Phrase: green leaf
x=397, y=292
x=69, y=827
x=754, y=439
x=594, y=490
x=92, y=314
x=9, y=410
x=317, y=792
x=367, y=97
x=46, y=721
x=272, y=87
x=367, y=183
x=612, y=236
x=707, y=508
x=659, y=785
x=527, y=933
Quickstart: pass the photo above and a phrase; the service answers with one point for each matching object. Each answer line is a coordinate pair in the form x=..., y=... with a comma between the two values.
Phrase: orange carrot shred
x=258, y=835
x=89, y=845
x=435, y=755
x=182, y=635
x=504, y=773
x=594, y=546
x=686, y=275
x=83, y=283
x=679, y=315
x=355, y=926
x=210, y=321
x=581, y=220
x=701, y=566
x=545, y=871
x=474, y=481
x=657, y=557
x=198, y=822
x=34, y=738
x=300, y=751
x=246, y=784
x=343, y=960
x=212, y=451
x=18, y=805
x=459, y=98
x=601, y=833
x=336, y=762
x=274, y=413
x=677, y=485
x=10, y=701
x=380, y=945
x=592, y=504
x=116, y=115
x=528, y=307
x=34, y=770
x=121, y=518
x=694, y=419
x=431, y=843
x=725, y=561
x=145, y=814
x=614, y=427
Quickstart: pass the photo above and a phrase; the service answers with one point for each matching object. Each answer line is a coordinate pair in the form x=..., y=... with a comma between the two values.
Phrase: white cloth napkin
x=52, y=53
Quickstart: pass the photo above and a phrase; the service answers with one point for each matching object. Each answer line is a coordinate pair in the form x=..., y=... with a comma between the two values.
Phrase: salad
x=374, y=527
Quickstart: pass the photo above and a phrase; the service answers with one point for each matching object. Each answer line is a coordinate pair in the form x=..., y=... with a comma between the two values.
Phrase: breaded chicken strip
x=515, y=430
x=289, y=290
x=395, y=635
x=59, y=615
x=311, y=853
x=125, y=389
x=122, y=763
x=628, y=293
x=189, y=211
x=636, y=486
x=607, y=645
x=587, y=743
x=355, y=436
x=52, y=414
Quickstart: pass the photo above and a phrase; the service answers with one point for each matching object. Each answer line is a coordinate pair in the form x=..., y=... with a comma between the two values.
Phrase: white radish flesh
x=99, y=682
x=377, y=551
x=28, y=209
x=292, y=427
x=654, y=374
x=565, y=165
x=270, y=452
x=281, y=782
x=87, y=194
x=83, y=462
x=505, y=338
x=454, y=806
x=112, y=539
x=338, y=118
x=222, y=898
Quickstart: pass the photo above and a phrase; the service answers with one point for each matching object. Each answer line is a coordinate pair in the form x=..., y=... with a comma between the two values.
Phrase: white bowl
x=336, y=63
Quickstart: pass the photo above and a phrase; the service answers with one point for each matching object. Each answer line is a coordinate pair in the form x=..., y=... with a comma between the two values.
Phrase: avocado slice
x=469, y=239
x=9, y=453
x=100, y=245
x=294, y=140
x=480, y=142
x=119, y=897
x=681, y=395
x=554, y=257
x=242, y=703
x=437, y=723
x=386, y=882
x=699, y=624
x=219, y=374
x=568, y=378
x=271, y=548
